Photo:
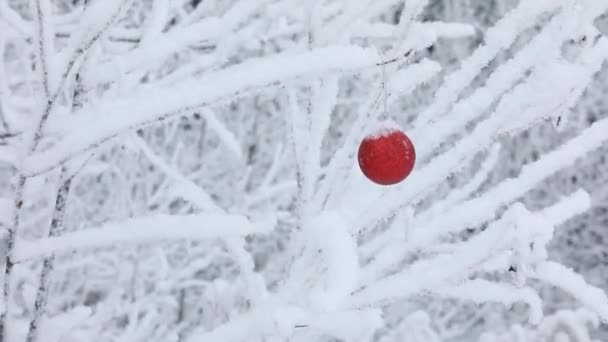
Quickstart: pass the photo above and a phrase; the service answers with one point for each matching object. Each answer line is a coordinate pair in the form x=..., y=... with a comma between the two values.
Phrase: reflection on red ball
x=387, y=157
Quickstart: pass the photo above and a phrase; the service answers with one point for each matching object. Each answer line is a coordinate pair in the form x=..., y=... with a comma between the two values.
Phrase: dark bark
x=47, y=266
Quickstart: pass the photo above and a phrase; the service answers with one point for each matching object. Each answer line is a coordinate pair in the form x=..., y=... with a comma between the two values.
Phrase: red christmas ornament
x=387, y=156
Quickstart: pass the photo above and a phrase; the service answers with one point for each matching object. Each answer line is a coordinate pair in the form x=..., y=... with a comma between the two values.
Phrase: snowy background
x=185, y=170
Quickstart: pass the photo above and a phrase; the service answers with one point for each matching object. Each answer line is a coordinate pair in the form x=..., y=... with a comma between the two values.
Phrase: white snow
x=156, y=50
x=157, y=21
x=575, y=204
x=338, y=255
x=566, y=279
x=183, y=187
x=227, y=137
x=6, y=210
x=323, y=99
x=482, y=291
x=9, y=155
x=251, y=220
x=381, y=129
x=433, y=272
x=498, y=37
x=485, y=205
x=137, y=230
x=101, y=121
x=405, y=80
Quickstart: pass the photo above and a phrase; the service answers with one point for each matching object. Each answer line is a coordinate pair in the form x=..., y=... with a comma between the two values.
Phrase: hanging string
x=384, y=115
x=383, y=91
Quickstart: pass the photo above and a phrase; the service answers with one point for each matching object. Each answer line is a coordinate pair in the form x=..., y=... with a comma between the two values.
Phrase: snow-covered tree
x=563, y=326
x=186, y=171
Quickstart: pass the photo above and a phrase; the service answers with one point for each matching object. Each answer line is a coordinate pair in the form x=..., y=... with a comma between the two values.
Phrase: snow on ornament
x=387, y=155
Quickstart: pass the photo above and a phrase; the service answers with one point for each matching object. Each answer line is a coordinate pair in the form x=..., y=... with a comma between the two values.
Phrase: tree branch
x=47, y=266
x=103, y=121
x=150, y=228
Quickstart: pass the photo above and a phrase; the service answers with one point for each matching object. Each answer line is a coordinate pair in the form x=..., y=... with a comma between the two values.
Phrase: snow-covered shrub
x=184, y=170
x=563, y=326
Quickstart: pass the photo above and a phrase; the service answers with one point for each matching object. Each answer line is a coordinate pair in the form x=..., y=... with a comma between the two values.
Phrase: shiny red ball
x=387, y=157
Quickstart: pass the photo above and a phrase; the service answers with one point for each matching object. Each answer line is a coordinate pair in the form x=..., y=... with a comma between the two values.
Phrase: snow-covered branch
x=137, y=230
x=90, y=128
x=210, y=151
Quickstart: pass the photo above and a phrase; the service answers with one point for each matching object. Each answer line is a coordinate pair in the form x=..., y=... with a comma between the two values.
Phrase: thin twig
x=395, y=59
x=10, y=245
x=47, y=266
x=6, y=128
x=20, y=185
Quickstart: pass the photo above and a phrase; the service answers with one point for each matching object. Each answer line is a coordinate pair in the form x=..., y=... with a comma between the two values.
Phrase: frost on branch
x=566, y=326
x=204, y=156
